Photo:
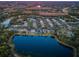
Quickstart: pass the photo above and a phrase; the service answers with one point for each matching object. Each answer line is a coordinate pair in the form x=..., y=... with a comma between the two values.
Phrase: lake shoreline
x=74, y=49
x=53, y=37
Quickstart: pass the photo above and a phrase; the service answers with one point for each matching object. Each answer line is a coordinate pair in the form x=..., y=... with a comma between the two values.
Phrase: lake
x=41, y=46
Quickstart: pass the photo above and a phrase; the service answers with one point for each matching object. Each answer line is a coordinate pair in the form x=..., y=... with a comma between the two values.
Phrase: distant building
x=44, y=11
x=9, y=10
x=65, y=10
x=74, y=10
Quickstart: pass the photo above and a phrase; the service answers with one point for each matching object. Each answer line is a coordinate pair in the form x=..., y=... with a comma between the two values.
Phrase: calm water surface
x=40, y=46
